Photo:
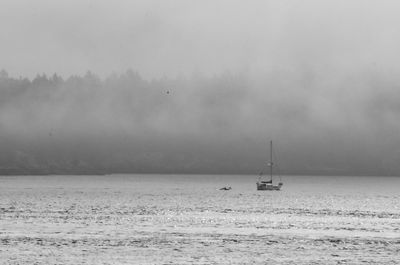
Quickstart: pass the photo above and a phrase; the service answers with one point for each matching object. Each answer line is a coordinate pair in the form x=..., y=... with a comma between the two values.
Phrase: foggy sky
x=181, y=37
x=321, y=78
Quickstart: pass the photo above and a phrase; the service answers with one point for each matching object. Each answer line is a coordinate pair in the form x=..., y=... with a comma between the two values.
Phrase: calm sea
x=186, y=219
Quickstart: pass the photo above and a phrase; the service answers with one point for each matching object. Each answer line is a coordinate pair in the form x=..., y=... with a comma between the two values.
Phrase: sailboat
x=267, y=184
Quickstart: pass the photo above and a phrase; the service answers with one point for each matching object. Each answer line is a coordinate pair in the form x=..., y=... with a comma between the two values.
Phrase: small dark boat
x=225, y=188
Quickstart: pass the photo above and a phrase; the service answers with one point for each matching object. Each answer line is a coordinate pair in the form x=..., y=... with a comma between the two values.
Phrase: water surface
x=185, y=219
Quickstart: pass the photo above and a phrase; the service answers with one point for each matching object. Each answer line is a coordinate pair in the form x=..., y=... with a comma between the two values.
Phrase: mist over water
x=198, y=124
x=212, y=83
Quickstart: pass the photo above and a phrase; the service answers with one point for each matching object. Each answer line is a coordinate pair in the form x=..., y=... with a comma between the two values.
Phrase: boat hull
x=268, y=186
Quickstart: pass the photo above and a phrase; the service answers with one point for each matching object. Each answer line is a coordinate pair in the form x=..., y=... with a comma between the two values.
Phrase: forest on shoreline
x=198, y=124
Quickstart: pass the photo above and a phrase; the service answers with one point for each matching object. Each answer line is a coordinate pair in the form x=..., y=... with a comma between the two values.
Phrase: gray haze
x=181, y=37
x=215, y=81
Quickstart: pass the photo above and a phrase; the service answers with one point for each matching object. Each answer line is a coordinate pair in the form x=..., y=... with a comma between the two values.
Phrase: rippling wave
x=149, y=219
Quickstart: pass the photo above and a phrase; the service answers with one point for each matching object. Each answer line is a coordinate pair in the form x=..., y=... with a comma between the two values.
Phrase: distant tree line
x=121, y=123
x=199, y=124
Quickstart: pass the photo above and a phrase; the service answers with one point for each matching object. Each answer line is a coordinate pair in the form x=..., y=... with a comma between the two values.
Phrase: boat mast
x=270, y=161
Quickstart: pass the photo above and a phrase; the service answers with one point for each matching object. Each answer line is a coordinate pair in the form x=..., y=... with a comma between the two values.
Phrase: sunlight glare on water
x=186, y=219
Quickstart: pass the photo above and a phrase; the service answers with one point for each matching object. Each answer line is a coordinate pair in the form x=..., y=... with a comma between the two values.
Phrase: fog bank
x=200, y=124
